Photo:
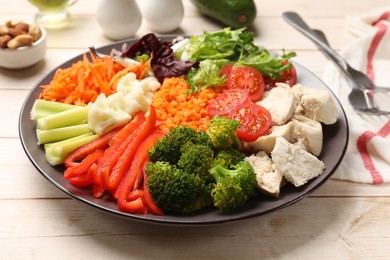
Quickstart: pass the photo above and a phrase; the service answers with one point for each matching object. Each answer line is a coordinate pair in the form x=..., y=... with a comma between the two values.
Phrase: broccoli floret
x=176, y=191
x=233, y=187
x=228, y=158
x=167, y=149
x=197, y=159
x=204, y=139
x=222, y=132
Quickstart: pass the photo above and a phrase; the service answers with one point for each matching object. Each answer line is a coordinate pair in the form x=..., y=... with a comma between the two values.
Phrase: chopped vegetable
x=222, y=132
x=248, y=78
x=137, y=168
x=254, y=120
x=267, y=63
x=226, y=102
x=229, y=157
x=58, y=151
x=111, y=180
x=74, y=116
x=85, y=80
x=132, y=95
x=196, y=159
x=289, y=76
x=207, y=75
x=43, y=108
x=113, y=153
x=80, y=153
x=150, y=203
x=163, y=62
x=175, y=107
x=176, y=191
x=83, y=167
x=233, y=187
x=169, y=148
x=61, y=133
x=238, y=47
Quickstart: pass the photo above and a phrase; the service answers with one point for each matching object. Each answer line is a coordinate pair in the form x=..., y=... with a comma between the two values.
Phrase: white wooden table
x=37, y=221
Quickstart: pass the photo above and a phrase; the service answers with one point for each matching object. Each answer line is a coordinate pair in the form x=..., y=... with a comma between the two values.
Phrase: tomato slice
x=247, y=78
x=227, y=101
x=255, y=121
x=289, y=76
x=225, y=71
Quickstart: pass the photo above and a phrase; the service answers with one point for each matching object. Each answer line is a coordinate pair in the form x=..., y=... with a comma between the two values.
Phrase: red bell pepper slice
x=135, y=206
x=100, y=143
x=82, y=167
x=136, y=168
x=84, y=179
x=135, y=194
x=110, y=157
x=112, y=180
x=122, y=140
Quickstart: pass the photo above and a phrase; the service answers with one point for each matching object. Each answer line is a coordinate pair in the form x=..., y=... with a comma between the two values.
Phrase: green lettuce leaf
x=207, y=75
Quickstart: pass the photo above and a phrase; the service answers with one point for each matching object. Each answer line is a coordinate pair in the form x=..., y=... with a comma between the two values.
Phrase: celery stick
x=62, y=133
x=57, y=152
x=66, y=118
x=43, y=108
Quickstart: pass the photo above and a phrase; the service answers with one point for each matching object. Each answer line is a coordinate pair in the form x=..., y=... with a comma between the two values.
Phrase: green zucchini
x=233, y=13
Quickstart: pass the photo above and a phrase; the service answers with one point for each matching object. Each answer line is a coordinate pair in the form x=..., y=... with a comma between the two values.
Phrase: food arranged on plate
x=172, y=127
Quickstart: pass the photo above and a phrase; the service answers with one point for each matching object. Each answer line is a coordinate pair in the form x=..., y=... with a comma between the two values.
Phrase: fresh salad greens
x=215, y=49
x=207, y=74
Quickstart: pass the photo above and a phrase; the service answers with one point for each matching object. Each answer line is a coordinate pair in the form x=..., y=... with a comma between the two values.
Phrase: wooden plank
x=10, y=104
x=353, y=228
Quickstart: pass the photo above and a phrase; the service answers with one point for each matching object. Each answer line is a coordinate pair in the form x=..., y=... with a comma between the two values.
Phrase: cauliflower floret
x=132, y=95
x=106, y=113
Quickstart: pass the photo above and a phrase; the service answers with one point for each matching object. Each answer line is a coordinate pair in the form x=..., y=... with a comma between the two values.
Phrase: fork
x=318, y=38
x=360, y=97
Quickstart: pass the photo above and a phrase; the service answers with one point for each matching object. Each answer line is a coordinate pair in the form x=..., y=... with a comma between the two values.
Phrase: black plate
x=334, y=147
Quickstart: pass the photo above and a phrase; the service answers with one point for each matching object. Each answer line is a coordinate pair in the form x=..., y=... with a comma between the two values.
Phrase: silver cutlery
x=361, y=96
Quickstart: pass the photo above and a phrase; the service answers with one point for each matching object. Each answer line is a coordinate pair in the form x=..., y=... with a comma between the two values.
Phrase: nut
x=12, y=23
x=20, y=40
x=35, y=31
x=22, y=26
x=15, y=32
x=4, y=39
x=3, y=29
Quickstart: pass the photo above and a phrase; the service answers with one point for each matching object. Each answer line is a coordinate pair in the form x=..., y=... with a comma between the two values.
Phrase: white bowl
x=25, y=56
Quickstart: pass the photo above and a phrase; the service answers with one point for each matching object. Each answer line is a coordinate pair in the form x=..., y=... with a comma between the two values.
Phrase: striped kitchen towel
x=367, y=159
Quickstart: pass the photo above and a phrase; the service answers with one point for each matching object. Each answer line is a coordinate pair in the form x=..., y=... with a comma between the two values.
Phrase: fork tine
x=363, y=101
x=358, y=100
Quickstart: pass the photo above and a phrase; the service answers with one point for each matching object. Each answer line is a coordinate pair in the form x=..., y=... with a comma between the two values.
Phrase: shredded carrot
x=174, y=106
x=86, y=79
